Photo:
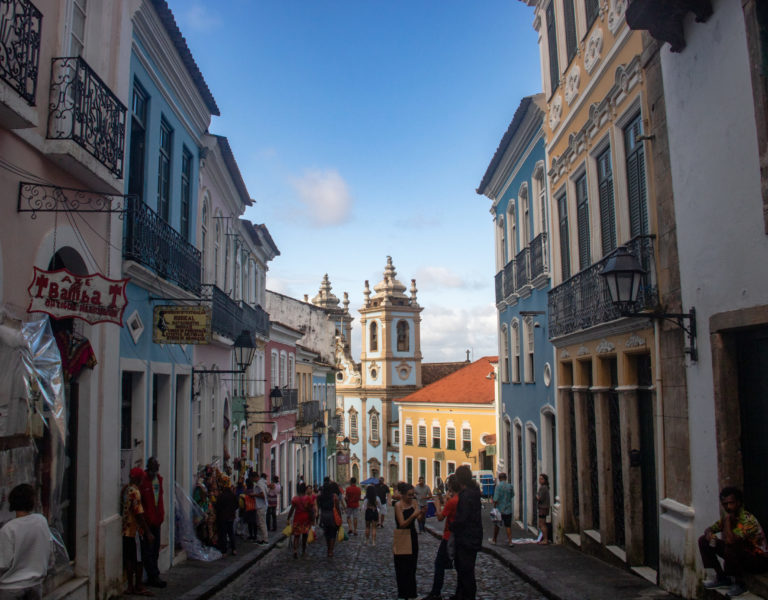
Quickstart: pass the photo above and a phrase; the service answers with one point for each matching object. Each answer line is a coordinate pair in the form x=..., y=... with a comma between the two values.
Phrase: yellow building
x=449, y=423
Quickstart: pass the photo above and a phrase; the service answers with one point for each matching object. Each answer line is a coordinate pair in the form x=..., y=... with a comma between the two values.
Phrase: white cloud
x=438, y=276
x=326, y=195
x=199, y=18
x=446, y=333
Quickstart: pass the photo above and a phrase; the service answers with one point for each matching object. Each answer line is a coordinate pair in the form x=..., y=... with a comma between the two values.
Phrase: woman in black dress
x=406, y=512
x=326, y=502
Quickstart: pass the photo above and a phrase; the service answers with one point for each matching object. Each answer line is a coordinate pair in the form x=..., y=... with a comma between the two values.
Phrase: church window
x=450, y=437
x=423, y=436
x=402, y=336
x=409, y=435
x=353, y=433
x=374, y=427
x=374, y=331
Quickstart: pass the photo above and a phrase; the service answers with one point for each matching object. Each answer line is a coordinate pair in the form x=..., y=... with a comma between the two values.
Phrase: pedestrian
x=406, y=512
x=542, y=505
x=352, y=498
x=382, y=489
x=134, y=524
x=329, y=507
x=248, y=506
x=261, y=509
x=371, y=508
x=272, y=494
x=742, y=545
x=226, y=507
x=423, y=495
x=25, y=547
x=151, y=490
x=303, y=513
x=445, y=512
x=502, y=501
x=468, y=533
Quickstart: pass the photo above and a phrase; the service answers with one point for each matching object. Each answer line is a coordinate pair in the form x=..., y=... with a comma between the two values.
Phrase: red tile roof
x=473, y=384
x=431, y=372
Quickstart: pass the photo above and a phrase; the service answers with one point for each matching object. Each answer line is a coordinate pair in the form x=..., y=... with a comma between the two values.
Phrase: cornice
x=155, y=284
x=618, y=327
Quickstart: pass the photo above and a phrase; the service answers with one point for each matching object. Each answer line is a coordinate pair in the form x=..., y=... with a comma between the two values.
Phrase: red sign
x=63, y=295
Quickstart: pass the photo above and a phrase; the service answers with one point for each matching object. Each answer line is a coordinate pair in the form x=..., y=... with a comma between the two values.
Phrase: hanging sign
x=181, y=325
x=342, y=458
x=63, y=295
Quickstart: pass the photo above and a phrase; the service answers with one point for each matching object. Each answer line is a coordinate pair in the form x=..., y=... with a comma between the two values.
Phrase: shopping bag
x=495, y=515
x=340, y=535
x=311, y=536
x=401, y=543
x=287, y=530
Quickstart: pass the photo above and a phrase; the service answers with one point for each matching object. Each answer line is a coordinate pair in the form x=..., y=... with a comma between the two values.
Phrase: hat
x=137, y=472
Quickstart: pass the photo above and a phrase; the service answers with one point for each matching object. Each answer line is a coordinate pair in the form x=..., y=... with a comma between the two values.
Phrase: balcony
x=539, y=258
x=83, y=109
x=522, y=270
x=309, y=413
x=583, y=300
x=226, y=315
x=290, y=400
x=509, y=279
x=151, y=242
x=255, y=319
x=499, y=281
x=20, y=24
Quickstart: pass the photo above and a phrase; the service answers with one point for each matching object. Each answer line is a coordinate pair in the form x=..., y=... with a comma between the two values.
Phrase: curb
x=214, y=584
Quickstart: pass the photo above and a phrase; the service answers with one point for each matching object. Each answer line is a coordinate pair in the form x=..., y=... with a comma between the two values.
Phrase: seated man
x=742, y=545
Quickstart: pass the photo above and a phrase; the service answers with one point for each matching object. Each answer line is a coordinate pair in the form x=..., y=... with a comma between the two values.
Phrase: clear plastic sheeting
x=188, y=516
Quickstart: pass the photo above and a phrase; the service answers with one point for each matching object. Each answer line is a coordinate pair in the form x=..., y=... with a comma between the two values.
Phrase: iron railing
x=309, y=413
x=509, y=279
x=255, y=319
x=290, y=399
x=522, y=270
x=226, y=315
x=150, y=241
x=539, y=258
x=499, y=281
x=83, y=109
x=20, y=24
x=583, y=300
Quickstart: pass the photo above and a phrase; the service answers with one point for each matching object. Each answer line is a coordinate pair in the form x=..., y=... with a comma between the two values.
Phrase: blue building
x=516, y=182
x=170, y=109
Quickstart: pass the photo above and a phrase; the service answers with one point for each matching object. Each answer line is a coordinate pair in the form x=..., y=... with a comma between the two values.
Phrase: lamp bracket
x=685, y=321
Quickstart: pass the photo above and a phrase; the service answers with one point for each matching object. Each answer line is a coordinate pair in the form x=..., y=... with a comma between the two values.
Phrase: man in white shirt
x=262, y=489
x=25, y=548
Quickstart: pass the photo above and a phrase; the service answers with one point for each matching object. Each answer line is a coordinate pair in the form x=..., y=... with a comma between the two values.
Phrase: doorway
x=645, y=401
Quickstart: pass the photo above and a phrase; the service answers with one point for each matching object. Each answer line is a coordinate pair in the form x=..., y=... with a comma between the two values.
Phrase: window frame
x=422, y=429
x=408, y=434
x=164, y=163
x=436, y=439
x=185, y=225
x=450, y=437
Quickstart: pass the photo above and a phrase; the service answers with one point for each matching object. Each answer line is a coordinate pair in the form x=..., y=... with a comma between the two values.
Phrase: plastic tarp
x=188, y=516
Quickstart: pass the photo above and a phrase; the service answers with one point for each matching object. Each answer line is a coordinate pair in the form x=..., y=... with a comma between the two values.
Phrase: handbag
x=401, y=542
x=336, y=517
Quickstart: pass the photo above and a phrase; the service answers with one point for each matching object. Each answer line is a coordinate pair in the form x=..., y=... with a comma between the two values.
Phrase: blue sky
x=362, y=129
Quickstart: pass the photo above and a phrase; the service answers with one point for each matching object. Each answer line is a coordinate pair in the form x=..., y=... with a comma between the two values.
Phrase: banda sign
x=181, y=325
x=63, y=295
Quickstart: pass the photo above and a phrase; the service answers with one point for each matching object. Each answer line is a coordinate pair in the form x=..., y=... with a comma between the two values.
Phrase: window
x=409, y=469
x=403, y=342
x=565, y=256
x=409, y=435
x=397, y=437
x=216, y=243
x=374, y=427
x=504, y=354
x=501, y=244
x=515, y=375
x=226, y=259
x=436, y=436
x=283, y=369
x=511, y=231
x=529, y=348
x=466, y=439
x=274, y=369
x=423, y=468
x=570, y=29
x=593, y=10
x=607, y=209
x=374, y=330
x=541, y=192
x=138, y=141
x=450, y=438
x=525, y=215
x=204, y=240
x=554, y=68
x=423, y=436
x=164, y=172
x=582, y=219
x=291, y=382
x=636, y=192
x=77, y=32
x=186, y=177
x=451, y=468
x=213, y=412
x=353, y=433
x=436, y=471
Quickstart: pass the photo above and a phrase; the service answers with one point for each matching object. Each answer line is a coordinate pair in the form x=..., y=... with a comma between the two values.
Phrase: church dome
x=390, y=287
x=325, y=298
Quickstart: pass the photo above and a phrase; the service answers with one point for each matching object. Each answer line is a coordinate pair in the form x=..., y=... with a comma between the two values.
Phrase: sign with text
x=181, y=325
x=342, y=458
x=63, y=295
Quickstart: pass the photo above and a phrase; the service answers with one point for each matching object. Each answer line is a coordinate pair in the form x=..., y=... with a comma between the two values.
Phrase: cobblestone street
x=361, y=571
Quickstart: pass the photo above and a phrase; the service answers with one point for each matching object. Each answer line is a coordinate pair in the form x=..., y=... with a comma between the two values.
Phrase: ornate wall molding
x=605, y=346
x=616, y=14
x=583, y=351
x=594, y=48
x=572, y=84
x=565, y=354
x=635, y=341
x=555, y=111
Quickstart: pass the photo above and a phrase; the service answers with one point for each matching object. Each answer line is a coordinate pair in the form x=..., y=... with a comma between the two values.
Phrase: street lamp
x=245, y=349
x=623, y=275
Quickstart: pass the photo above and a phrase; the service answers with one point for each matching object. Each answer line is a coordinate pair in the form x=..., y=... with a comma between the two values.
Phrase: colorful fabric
x=449, y=512
x=302, y=514
x=747, y=529
x=502, y=496
x=131, y=507
x=152, y=499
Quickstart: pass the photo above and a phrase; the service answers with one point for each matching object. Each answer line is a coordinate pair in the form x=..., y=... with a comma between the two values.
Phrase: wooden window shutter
x=582, y=217
x=565, y=257
x=554, y=67
x=571, y=42
x=593, y=10
x=636, y=191
x=607, y=207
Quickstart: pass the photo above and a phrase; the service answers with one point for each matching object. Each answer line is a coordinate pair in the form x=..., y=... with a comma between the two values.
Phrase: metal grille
x=226, y=316
x=509, y=279
x=255, y=319
x=522, y=276
x=539, y=259
x=20, y=46
x=83, y=109
x=593, y=478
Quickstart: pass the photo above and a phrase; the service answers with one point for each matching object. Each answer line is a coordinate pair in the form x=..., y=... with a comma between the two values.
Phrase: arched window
x=515, y=374
x=504, y=354
x=403, y=342
x=529, y=349
x=511, y=231
x=227, y=268
x=501, y=244
x=353, y=431
x=283, y=369
x=525, y=210
x=291, y=371
x=466, y=438
x=204, y=241
x=374, y=342
x=540, y=199
x=216, y=244
x=374, y=427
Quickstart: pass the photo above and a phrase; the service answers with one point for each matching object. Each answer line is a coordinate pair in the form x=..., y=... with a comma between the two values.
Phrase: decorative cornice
x=582, y=351
x=593, y=50
x=555, y=111
x=565, y=354
x=605, y=346
x=634, y=341
x=572, y=84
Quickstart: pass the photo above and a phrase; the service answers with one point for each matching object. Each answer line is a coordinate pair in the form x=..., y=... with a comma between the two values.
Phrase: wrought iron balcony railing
x=583, y=301
x=499, y=281
x=20, y=46
x=226, y=315
x=309, y=413
x=509, y=278
x=83, y=109
x=290, y=399
x=150, y=241
x=539, y=258
x=522, y=270
x=255, y=319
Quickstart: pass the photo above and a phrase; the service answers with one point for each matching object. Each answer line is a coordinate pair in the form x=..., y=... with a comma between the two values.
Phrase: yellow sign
x=181, y=325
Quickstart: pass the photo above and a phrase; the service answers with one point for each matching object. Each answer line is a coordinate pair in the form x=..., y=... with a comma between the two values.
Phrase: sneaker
x=491, y=541
x=737, y=589
x=717, y=582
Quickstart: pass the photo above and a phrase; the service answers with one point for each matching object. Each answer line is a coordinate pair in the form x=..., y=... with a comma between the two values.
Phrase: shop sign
x=63, y=295
x=342, y=458
x=181, y=325
x=490, y=450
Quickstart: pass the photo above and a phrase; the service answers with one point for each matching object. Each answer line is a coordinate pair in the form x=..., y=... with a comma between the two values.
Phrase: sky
x=362, y=129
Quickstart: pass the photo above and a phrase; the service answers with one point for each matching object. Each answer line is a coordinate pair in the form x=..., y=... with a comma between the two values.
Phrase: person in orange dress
x=303, y=513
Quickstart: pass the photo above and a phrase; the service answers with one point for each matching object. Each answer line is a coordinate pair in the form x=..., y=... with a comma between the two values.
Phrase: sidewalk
x=562, y=573
x=197, y=580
